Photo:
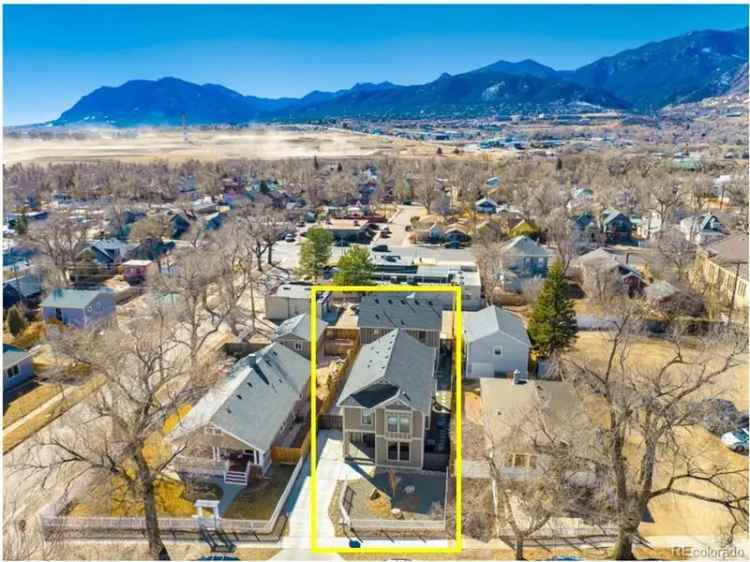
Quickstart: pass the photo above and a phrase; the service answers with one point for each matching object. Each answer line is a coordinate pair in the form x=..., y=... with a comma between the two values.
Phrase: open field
x=144, y=145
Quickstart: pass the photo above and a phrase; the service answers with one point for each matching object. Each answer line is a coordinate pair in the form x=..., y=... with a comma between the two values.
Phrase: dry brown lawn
x=678, y=515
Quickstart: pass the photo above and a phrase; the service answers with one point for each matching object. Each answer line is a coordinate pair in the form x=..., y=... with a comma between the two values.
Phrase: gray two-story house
x=421, y=315
x=387, y=399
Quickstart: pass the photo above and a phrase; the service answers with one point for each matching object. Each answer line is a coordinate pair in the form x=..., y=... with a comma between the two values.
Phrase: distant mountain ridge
x=681, y=69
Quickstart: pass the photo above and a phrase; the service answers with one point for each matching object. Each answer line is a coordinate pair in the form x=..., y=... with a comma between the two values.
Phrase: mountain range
x=681, y=69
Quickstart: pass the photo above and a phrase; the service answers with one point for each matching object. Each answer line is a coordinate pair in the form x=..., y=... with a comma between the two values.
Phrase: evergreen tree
x=315, y=163
x=355, y=267
x=16, y=321
x=340, y=168
x=553, y=321
x=21, y=225
x=315, y=253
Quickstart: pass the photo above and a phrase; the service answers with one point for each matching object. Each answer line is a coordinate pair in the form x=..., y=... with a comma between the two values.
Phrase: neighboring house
x=348, y=230
x=135, y=271
x=26, y=289
x=179, y=225
x=581, y=198
x=702, y=229
x=204, y=206
x=508, y=402
x=651, y=225
x=292, y=299
x=596, y=265
x=585, y=226
x=486, y=205
x=722, y=267
x=295, y=334
x=262, y=403
x=419, y=314
x=110, y=252
x=79, y=308
x=525, y=257
x=17, y=366
x=457, y=233
x=387, y=399
x=616, y=226
x=666, y=298
x=495, y=343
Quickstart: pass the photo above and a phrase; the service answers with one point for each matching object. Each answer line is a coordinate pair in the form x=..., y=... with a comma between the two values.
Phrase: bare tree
x=647, y=407
x=113, y=438
x=673, y=256
x=59, y=241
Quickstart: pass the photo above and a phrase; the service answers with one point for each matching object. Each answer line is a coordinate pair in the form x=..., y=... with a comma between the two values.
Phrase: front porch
x=359, y=446
x=234, y=467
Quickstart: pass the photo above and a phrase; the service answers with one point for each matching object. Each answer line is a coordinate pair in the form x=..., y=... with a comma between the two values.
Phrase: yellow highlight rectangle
x=457, y=350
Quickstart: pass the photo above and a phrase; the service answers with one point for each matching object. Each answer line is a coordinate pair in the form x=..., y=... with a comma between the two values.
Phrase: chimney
x=519, y=378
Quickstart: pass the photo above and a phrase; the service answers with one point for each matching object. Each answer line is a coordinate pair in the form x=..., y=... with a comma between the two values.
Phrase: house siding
x=25, y=373
x=482, y=362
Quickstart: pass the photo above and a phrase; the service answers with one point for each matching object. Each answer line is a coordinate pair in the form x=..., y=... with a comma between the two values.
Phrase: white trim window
x=367, y=417
x=497, y=351
x=212, y=430
x=398, y=423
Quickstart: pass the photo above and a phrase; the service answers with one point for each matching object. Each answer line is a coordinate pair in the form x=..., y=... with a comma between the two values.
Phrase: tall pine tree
x=552, y=326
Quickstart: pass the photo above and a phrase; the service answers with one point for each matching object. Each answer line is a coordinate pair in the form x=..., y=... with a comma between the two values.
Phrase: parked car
x=737, y=440
x=386, y=230
x=290, y=238
x=454, y=245
x=380, y=248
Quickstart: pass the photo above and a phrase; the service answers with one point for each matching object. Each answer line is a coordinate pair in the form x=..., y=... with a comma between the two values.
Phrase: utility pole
x=184, y=128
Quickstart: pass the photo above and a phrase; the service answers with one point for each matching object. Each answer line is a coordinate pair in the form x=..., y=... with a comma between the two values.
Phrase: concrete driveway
x=329, y=469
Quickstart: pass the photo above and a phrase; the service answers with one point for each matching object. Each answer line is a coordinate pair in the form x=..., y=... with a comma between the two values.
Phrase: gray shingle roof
x=525, y=246
x=299, y=326
x=26, y=285
x=13, y=355
x=730, y=251
x=395, y=364
x=493, y=319
x=421, y=311
x=255, y=398
x=70, y=298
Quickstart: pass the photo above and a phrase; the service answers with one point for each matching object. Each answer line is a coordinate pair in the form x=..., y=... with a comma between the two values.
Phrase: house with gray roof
x=26, y=289
x=295, y=334
x=292, y=299
x=110, y=252
x=525, y=257
x=17, y=366
x=79, y=308
x=262, y=403
x=702, y=229
x=616, y=226
x=420, y=314
x=386, y=401
x=495, y=343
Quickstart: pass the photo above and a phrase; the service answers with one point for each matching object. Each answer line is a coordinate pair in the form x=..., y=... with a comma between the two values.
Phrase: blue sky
x=53, y=55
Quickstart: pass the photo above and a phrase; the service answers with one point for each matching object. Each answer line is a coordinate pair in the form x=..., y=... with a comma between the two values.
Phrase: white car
x=737, y=440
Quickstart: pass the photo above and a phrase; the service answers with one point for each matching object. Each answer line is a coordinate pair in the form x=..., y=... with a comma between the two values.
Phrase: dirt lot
x=168, y=144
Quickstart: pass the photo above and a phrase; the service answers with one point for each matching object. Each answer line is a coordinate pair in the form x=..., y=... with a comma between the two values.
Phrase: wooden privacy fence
x=290, y=455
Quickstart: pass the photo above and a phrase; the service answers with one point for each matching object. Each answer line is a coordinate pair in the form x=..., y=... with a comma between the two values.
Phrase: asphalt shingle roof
x=13, y=355
x=300, y=326
x=525, y=246
x=70, y=298
x=395, y=364
x=413, y=312
x=26, y=285
x=255, y=398
x=493, y=319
